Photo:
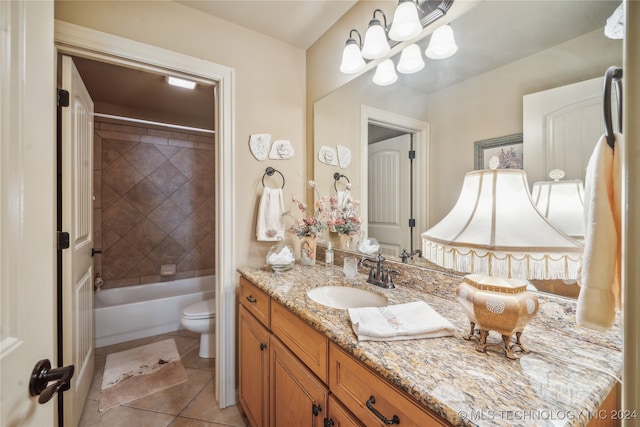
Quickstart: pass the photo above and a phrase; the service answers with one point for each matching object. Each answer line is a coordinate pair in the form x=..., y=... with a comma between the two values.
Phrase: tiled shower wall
x=154, y=204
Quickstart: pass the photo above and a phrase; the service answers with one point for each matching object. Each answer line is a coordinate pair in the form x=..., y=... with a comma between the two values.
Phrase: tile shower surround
x=154, y=203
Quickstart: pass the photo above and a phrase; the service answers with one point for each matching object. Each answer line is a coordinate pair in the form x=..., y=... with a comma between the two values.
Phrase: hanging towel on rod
x=270, y=226
x=600, y=275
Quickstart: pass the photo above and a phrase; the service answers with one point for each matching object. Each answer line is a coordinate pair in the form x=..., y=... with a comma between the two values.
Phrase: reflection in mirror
x=506, y=51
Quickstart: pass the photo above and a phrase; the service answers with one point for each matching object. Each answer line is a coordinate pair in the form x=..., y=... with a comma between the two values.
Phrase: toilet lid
x=201, y=310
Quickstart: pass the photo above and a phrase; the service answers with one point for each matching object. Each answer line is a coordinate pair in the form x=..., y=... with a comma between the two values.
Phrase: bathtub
x=132, y=312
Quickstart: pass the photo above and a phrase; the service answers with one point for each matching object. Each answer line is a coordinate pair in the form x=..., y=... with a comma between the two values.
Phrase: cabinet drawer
x=305, y=342
x=355, y=385
x=256, y=301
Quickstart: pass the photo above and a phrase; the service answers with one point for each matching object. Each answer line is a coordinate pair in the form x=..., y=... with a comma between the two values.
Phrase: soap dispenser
x=328, y=255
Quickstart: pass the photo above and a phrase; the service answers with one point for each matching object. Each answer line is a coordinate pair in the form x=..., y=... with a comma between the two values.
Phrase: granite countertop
x=561, y=382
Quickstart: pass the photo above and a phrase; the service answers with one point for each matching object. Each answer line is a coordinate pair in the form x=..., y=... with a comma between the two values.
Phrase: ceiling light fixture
x=352, y=61
x=409, y=20
x=442, y=44
x=175, y=81
x=406, y=24
x=376, y=44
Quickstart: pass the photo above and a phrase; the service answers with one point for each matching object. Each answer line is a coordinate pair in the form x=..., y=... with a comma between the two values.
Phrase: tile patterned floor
x=190, y=404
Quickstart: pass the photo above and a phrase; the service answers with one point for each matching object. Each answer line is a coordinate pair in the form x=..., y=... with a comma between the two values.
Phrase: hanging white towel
x=600, y=272
x=413, y=320
x=270, y=226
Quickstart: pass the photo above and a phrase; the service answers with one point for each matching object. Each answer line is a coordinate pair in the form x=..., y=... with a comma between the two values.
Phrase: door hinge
x=63, y=240
x=412, y=222
x=63, y=98
x=412, y=154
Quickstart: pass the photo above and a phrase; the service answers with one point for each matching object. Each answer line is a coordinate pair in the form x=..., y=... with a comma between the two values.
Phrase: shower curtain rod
x=148, y=122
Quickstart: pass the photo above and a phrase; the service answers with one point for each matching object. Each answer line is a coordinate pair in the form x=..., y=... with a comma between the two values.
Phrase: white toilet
x=201, y=318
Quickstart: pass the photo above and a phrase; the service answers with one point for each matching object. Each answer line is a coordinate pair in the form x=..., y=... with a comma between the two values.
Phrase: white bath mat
x=131, y=374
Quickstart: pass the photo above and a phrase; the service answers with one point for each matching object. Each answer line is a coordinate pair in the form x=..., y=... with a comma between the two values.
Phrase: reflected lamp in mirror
x=376, y=44
x=352, y=61
x=442, y=44
x=561, y=203
x=406, y=23
x=410, y=60
x=495, y=231
x=385, y=73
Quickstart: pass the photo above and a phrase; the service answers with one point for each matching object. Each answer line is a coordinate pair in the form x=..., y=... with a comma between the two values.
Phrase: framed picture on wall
x=504, y=152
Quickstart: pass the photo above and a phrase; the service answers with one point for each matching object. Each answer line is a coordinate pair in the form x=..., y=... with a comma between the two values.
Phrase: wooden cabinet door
x=338, y=416
x=298, y=398
x=253, y=354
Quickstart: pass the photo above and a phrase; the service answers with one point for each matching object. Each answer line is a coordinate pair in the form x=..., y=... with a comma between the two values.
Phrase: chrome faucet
x=379, y=275
x=406, y=255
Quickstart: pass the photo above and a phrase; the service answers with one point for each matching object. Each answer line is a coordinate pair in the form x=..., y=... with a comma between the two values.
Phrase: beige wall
x=269, y=88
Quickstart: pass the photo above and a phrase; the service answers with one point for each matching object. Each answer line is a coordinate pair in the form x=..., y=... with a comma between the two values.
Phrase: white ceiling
x=296, y=22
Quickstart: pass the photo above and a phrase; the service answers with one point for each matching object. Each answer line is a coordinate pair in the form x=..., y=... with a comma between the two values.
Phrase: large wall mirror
x=506, y=50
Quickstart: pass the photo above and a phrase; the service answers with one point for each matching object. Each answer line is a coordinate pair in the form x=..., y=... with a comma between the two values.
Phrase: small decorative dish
x=281, y=258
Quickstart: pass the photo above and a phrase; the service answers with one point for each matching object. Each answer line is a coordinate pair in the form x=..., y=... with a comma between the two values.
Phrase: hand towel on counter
x=600, y=275
x=270, y=226
x=413, y=320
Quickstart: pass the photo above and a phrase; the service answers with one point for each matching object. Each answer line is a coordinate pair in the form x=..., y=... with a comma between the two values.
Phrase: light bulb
x=352, y=61
x=442, y=44
x=375, y=41
x=410, y=60
x=406, y=24
x=385, y=73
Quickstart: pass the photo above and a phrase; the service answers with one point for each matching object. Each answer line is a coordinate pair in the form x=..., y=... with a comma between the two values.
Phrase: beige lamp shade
x=562, y=203
x=494, y=229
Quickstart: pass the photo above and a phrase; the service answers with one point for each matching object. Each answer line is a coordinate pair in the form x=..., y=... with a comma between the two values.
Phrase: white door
x=389, y=194
x=561, y=127
x=27, y=208
x=77, y=220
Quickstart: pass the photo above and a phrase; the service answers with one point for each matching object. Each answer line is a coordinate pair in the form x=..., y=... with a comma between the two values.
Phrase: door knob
x=42, y=375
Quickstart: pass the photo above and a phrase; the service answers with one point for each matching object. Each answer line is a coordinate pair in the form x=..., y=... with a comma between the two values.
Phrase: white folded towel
x=600, y=275
x=270, y=226
x=413, y=320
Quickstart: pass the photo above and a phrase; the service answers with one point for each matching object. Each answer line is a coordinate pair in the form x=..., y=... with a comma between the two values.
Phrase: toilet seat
x=201, y=310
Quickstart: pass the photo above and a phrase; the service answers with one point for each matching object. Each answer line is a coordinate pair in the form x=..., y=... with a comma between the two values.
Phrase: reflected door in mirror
x=390, y=194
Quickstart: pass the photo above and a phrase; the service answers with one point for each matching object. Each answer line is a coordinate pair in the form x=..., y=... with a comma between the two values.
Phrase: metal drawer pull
x=251, y=299
x=394, y=420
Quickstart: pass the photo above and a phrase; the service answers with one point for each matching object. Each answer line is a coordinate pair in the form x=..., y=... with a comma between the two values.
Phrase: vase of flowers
x=308, y=227
x=344, y=218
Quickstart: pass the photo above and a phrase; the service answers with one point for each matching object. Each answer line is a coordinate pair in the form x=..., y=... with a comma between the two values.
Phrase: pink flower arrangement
x=309, y=225
x=343, y=214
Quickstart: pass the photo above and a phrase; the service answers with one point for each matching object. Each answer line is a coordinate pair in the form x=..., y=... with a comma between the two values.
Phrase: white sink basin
x=345, y=297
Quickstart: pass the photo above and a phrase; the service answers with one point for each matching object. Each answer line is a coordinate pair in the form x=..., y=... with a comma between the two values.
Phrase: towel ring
x=336, y=178
x=270, y=171
x=613, y=74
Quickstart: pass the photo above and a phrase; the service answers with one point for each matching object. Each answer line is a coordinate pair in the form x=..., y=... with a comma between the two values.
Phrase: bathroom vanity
x=301, y=364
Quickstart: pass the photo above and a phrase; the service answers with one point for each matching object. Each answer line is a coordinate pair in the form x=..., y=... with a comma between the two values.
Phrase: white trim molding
x=84, y=42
